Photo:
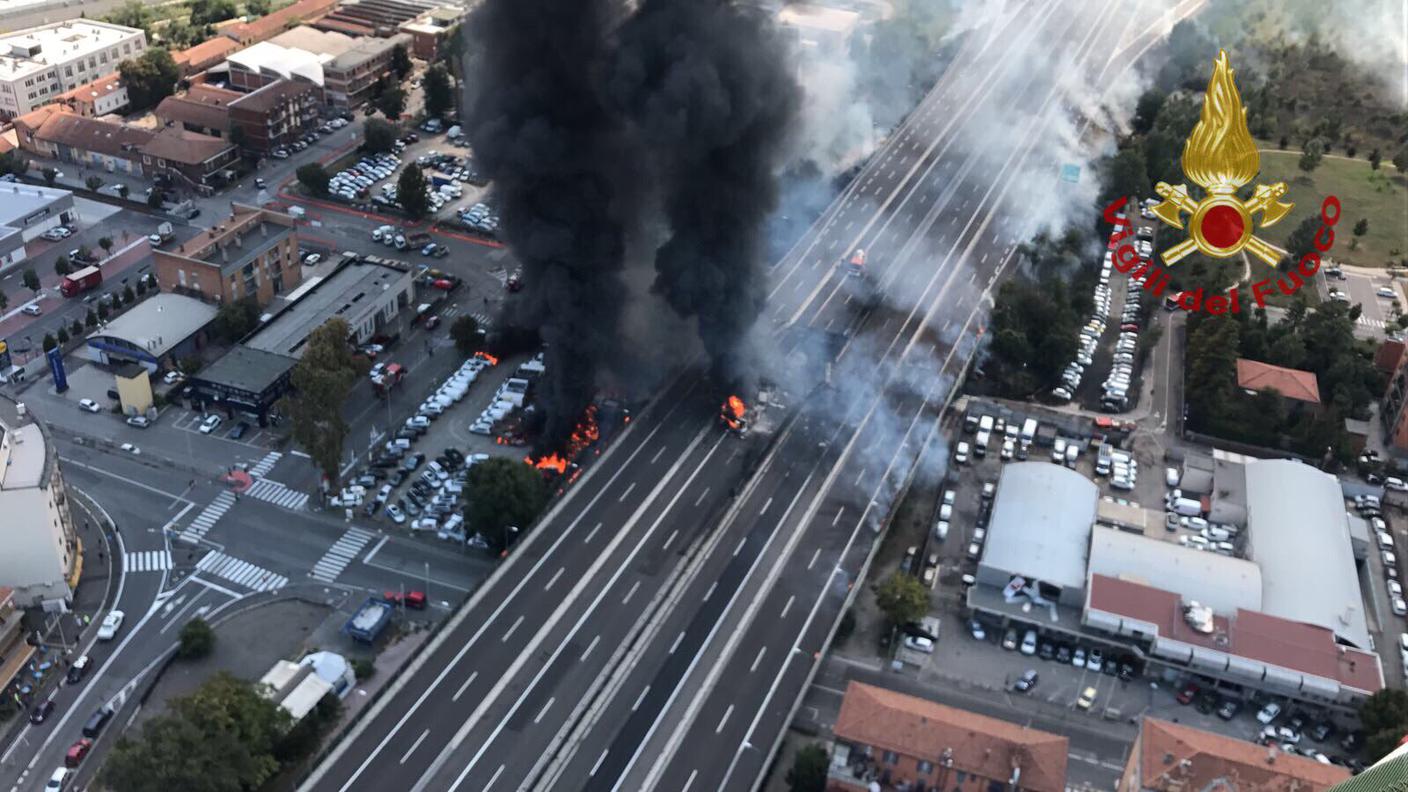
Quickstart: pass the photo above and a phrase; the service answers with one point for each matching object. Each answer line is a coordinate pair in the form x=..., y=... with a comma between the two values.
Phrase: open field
x=1381, y=196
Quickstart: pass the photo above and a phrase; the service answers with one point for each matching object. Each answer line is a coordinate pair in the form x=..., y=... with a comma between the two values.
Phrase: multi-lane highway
x=659, y=604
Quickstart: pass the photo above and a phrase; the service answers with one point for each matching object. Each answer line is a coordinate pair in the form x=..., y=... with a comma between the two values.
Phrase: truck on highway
x=855, y=266
x=80, y=281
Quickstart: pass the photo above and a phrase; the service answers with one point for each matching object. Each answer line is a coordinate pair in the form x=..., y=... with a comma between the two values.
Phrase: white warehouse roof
x=1298, y=533
x=159, y=323
x=1041, y=522
x=1220, y=582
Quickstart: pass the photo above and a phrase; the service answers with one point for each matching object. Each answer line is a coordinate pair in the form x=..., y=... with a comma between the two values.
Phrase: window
x=890, y=757
x=926, y=767
x=68, y=70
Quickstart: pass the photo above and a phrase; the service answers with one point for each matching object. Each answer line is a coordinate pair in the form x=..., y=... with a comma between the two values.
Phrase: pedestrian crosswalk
x=277, y=494
x=206, y=520
x=342, y=553
x=146, y=561
x=263, y=466
x=1375, y=323
x=241, y=573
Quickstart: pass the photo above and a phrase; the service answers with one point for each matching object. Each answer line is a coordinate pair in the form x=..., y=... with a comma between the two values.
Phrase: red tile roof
x=1291, y=383
x=985, y=746
x=90, y=134
x=271, y=25
x=188, y=148
x=1177, y=758
x=205, y=54
x=99, y=87
x=1256, y=636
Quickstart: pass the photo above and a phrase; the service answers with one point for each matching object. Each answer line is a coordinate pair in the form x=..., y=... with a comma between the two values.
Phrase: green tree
x=410, y=191
x=132, y=14
x=1384, y=717
x=401, y=62
x=208, y=12
x=30, y=279
x=149, y=77
x=1147, y=110
x=1362, y=227
x=50, y=176
x=14, y=162
x=1302, y=239
x=221, y=738
x=1400, y=159
x=197, y=639
x=1127, y=176
x=62, y=265
x=256, y=8
x=156, y=198
x=502, y=494
x=62, y=335
x=321, y=381
x=49, y=342
x=106, y=244
x=902, y=598
x=465, y=332
x=1375, y=159
x=314, y=177
x=808, y=773
x=235, y=320
x=75, y=329
x=123, y=190
x=363, y=669
x=93, y=183
x=378, y=136
x=91, y=319
x=128, y=296
x=390, y=101
x=439, y=94
x=1312, y=154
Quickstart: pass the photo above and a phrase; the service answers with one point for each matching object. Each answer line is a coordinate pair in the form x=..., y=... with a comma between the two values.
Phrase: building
x=39, y=64
x=134, y=389
x=15, y=651
x=272, y=24
x=204, y=55
x=1170, y=757
x=1040, y=531
x=98, y=98
x=27, y=211
x=1294, y=385
x=298, y=687
x=276, y=114
x=199, y=162
x=374, y=17
x=154, y=332
x=891, y=739
x=202, y=108
x=251, y=253
x=430, y=31
x=265, y=62
x=821, y=31
x=1220, y=582
x=55, y=133
x=1392, y=415
x=41, y=562
x=350, y=66
x=244, y=381
x=1297, y=531
x=366, y=293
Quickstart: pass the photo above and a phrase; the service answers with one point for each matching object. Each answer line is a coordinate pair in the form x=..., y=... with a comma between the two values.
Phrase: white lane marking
x=508, y=634
x=544, y=710
x=701, y=497
x=787, y=607
x=764, y=510
x=591, y=646
x=414, y=746
x=761, y=651
x=724, y=719
x=466, y=684
x=710, y=592
x=631, y=593
x=741, y=542
x=815, y=556
x=670, y=539
x=589, y=536
x=555, y=576
x=640, y=698
x=676, y=644
x=599, y=760
x=627, y=493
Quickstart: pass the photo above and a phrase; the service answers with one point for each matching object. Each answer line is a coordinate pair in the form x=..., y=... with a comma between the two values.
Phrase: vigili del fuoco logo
x=1221, y=158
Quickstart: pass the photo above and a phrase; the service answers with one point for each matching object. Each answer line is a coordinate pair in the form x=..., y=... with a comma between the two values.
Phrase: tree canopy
x=314, y=177
x=465, y=332
x=1384, y=717
x=149, y=77
x=321, y=381
x=410, y=191
x=401, y=61
x=236, y=319
x=808, y=773
x=208, y=12
x=501, y=493
x=902, y=598
x=390, y=101
x=439, y=95
x=378, y=135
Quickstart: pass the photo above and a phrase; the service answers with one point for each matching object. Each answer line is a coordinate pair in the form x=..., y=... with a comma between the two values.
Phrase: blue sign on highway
x=56, y=367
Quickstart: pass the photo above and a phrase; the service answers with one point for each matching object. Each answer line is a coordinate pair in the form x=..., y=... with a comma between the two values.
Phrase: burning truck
x=741, y=418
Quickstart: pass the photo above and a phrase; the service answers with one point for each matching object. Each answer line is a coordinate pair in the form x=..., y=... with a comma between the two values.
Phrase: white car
x=1386, y=292
x=1396, y=484
x=1399, y=607
x=1029, y=643
x=111, y=624
x=31, y=309
x=172, y=377
x=394, y=512
x=1268, y=713
x=210, y=424
x=131, y=449
x=139, y=421
x=919, y=644
x=1171, y=476
x=89, y=405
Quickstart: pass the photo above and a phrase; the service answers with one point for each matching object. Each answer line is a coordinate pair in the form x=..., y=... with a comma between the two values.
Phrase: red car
x=77, y=751
x=413, y=599
x=1188, y=693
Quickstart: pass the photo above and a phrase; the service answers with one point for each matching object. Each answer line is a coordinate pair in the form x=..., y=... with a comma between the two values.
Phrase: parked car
x=1188, y=693
x=41, y=711
x=1086, y=699
x=1269, y=713
x=88, y=405
x=1026, y=682
x=210, y=424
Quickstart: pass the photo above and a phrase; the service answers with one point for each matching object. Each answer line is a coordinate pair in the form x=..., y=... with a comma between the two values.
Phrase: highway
x=596, y=650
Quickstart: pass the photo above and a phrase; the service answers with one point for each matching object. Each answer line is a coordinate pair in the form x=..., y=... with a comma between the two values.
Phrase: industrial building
x=1059, y=558
x=41, y=561
x=27, y=211
x=245, y=380
x=160, y=329
x=366, y=293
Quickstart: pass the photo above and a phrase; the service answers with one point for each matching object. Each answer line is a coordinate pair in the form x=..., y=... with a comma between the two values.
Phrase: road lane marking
x=555, y=576
x=670, y=539
x=741, y=542
x=701, y=497
x=627, y=493
x=676, y=644
x=599, y=760
x=372, y=554
x=595, y=528
x=710, y=592
x=787, y=607
x=591, y=646
x=544, y=710
x=761, y=651
x=465, y=686
x=631, y=593
x=816, y=554
x=516, y=622
x=640, y=698
x=765, y=508
x=414, y=746
x=724, y=719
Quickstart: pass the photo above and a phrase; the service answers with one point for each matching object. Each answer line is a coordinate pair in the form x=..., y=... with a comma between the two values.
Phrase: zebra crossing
x=263, y=466
x=342, y=553
x=206, y=520
x=277, y=494
x=1375, y=323
x=146, y=561
x=242, y=573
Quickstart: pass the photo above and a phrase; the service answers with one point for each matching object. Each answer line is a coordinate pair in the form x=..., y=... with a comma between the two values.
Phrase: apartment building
x=39, y=64
x=252, y=252
x=41, y=559
x=102, y=96
x=276, y=114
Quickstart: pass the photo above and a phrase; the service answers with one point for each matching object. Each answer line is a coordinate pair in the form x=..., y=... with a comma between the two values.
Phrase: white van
x=980, y=444
x=58, y=781
x=1058, y=450
x=1186, y=507
x=985, y=423
x=1028, y=430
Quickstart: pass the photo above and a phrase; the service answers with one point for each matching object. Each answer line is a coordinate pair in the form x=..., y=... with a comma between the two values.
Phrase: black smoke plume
x=559, y=160
x=708, y=87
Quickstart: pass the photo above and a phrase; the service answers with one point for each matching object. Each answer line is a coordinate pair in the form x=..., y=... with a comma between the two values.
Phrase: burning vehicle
x=855, y=266
x=733, y=415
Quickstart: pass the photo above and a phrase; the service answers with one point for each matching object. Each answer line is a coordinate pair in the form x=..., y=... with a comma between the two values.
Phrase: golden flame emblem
x=1220, y=157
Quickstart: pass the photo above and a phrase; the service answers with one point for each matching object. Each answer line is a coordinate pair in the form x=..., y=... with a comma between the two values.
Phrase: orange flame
x=493, y=361
x=549, y=462
x=736, y=406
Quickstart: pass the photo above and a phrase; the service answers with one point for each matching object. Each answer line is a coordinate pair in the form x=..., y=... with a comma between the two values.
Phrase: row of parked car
x=480, y=218
x=355, y=180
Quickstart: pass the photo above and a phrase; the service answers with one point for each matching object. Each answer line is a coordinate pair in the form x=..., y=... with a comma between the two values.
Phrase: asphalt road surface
x=597, y=649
